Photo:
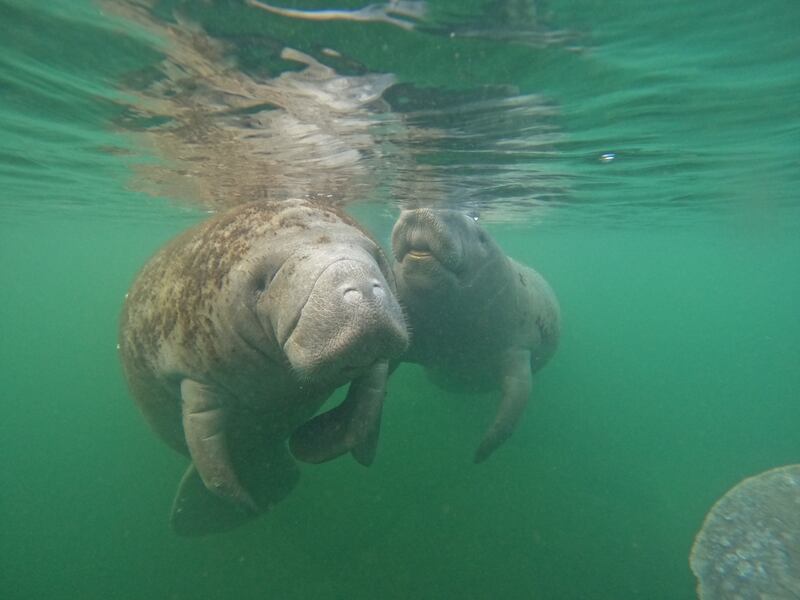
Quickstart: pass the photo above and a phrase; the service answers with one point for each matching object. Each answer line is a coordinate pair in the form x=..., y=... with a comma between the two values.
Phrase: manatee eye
x=482, y=237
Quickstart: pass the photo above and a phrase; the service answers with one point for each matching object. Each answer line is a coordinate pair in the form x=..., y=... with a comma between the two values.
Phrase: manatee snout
x=350, y=320
x=423, y=234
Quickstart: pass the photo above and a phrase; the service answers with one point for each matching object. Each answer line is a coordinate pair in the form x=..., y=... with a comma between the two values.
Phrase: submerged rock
x=749, y=545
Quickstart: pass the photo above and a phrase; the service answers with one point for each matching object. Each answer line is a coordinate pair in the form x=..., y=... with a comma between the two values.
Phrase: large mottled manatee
x=749, y=545
x=479, y=320
x=235, y=333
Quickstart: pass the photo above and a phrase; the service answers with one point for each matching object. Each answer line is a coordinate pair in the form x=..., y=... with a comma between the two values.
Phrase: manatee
x=479, y=320
x=233, y=336
x=749, y=545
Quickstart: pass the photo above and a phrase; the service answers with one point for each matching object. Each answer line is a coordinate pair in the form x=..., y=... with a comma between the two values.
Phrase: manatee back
x=538, y=312
x=172, y=306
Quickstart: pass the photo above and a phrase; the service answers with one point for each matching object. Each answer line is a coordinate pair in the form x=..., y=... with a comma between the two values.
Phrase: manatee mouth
x=425, y=255
x=418, y=249
x=415, y=250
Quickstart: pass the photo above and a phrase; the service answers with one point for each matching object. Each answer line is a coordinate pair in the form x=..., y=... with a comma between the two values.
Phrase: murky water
x=644, y=158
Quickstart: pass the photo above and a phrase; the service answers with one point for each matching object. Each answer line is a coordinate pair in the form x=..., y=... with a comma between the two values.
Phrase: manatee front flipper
x=516, y=388
x=269, y=473
x=352, y=426
x=204, y=430
x=365, y=422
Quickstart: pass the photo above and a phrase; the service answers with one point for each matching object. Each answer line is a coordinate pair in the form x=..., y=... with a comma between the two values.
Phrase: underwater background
x=644, y=157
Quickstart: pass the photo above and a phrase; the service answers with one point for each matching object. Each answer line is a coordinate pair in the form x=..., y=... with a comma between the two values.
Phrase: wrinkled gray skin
x=749, y=545
x=234, y=335
x=479, y=320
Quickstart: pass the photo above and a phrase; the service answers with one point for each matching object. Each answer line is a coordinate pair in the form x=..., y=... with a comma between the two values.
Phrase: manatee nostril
x=351, y=294
x=369, y=290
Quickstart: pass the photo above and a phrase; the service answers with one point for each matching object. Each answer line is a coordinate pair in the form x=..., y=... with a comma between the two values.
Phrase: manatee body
x=479, y=320
x=234, y=335
x=749, y=545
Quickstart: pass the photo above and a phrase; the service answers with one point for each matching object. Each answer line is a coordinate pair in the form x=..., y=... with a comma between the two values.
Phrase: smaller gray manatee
x=480, y=321
x=235, y=333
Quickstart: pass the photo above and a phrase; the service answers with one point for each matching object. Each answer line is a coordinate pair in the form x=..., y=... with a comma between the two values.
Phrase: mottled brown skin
x=480, y=320
x=234, y=335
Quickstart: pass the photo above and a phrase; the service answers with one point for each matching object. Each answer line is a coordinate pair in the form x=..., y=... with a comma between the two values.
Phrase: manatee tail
x=269, y=476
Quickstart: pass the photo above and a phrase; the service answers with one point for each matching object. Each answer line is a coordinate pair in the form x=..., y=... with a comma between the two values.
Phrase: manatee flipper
x=365, y=422
x=516, y=388
x=204, y=429
x=353, y=426
x=269, y=473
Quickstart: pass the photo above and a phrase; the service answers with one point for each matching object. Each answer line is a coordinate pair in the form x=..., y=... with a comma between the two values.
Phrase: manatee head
x=330, y=310
x=443, y=249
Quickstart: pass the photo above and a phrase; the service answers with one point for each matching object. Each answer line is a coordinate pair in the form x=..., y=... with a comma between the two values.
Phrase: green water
x=677, y=266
